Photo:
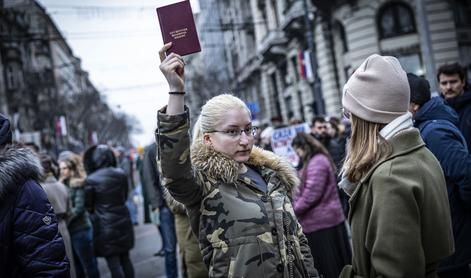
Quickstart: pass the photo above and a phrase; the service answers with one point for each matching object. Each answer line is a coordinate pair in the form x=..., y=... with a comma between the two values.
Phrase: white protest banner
x=281, y=141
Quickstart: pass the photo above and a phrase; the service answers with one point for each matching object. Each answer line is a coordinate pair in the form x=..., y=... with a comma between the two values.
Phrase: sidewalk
x=147, y=242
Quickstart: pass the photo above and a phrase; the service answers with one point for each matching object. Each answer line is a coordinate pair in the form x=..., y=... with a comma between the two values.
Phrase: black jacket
x=30, y=243
x=438, y=123
x=112, y=227
x=152, y=177
x=462, y=106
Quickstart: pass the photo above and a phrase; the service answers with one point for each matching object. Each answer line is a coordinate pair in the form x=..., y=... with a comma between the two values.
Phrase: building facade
x=266, y=47
x=43, y=89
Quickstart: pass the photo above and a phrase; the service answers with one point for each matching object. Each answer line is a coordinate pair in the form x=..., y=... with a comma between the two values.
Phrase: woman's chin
x=242, y=157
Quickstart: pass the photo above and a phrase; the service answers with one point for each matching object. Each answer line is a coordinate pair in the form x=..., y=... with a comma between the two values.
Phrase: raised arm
x=173, y=138
x=172, y=66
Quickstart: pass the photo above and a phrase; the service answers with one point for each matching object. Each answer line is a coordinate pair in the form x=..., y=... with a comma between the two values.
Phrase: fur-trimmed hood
x=17, y=165
x=216, y=165
x=76, y=182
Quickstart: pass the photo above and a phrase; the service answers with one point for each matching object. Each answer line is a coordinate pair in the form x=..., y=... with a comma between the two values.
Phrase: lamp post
x=316, y=86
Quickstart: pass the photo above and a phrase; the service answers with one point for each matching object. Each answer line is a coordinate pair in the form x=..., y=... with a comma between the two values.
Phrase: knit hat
x=5, y=131
x=378, y=91
x=419, y=89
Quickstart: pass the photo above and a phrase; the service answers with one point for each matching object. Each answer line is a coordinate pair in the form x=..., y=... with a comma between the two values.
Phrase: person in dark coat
x=456, y=90
x=30, y=242
x=438, y=125
x=161, y=210
x=112, y=226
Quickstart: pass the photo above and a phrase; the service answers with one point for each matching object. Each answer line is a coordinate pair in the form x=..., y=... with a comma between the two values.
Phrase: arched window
x=395, y=19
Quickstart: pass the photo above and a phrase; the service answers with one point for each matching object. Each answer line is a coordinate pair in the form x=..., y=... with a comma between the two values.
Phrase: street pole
x=426, y=45
x=316, y=86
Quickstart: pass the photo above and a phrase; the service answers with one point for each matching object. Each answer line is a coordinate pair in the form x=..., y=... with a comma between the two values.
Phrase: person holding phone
x=238, y=197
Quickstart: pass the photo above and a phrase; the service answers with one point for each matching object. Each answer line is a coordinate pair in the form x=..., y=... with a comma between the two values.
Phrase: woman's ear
x=207, y=139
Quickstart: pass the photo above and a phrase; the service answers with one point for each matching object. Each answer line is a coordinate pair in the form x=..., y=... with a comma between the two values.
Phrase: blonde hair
x=365, y=147
x=213, y=112
x=74, y=163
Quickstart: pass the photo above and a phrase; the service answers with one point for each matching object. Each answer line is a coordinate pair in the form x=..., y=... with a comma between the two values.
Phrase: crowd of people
x=383, y=192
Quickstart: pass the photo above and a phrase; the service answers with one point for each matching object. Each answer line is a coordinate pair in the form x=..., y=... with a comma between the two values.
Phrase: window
x=276, y=94
x=11, y=78
x=461, y=12
x=395, y=19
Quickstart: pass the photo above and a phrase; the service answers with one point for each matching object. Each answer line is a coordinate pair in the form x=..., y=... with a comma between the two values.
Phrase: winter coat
x=151, y=177
x=242, y=231
x=438, y=123
x=317, y=203
x=112, y=227
x=30, y=244
x=462, y=106
x=399, y=214
x=58, y=195
x=79, y=219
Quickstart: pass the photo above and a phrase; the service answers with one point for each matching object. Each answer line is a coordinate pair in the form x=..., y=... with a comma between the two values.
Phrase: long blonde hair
x=365, y=147
x=74, y=163
x=213, y=112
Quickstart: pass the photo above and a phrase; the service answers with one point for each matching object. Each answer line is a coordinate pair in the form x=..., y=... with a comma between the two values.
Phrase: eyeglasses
x=236, y=133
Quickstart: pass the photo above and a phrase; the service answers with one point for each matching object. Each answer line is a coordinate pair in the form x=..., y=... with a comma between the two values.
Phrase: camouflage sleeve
x=306, y=253
x=173, y=141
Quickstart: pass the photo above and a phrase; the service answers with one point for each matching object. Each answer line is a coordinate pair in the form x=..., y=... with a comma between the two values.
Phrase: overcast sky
x=118, y=43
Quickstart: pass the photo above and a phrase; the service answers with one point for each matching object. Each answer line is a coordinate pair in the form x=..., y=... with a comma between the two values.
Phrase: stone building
x=43, y=88
x=266, y=46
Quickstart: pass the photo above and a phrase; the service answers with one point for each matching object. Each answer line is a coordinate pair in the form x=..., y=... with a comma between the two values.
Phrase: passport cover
x=178, y=26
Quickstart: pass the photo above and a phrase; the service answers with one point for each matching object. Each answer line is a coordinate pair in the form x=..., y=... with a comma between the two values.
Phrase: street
x=147, y=242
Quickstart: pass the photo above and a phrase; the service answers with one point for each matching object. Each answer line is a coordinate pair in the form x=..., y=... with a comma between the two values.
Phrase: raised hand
x=172, y=67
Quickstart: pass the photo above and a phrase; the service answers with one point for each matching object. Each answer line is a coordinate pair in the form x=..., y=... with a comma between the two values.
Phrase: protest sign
x=281, y=141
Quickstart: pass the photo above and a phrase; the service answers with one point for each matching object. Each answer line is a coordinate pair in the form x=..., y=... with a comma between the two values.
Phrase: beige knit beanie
x=378, y=91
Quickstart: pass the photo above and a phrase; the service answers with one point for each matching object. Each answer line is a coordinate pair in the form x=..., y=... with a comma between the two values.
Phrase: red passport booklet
x=178, y=26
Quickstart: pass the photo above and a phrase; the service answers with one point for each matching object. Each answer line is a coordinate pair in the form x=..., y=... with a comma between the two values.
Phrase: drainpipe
x=316, y=87
x=426, y=45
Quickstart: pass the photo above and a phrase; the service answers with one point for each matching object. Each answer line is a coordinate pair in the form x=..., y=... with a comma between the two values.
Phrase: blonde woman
x=73, y=176
x=399, y=212
x=237, y=196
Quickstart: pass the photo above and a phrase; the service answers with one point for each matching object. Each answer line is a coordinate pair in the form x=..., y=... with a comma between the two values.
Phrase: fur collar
x=216, y=165
x=76, y=182
x=17, y=165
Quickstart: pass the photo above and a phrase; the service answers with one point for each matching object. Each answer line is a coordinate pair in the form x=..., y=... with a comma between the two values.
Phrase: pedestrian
x=126, y=163
x=30, y=242
x=438, y=125
x=237, y=196
x=72, y=175
x=457, y=92
x=145, y=194
x=58, y=195
x=318, y=208
x=320, y=131
x=113, y=229
x=162, y=213
x=399, y=211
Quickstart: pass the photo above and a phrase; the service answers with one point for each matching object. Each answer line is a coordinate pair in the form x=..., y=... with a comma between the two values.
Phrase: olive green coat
x=399, y=214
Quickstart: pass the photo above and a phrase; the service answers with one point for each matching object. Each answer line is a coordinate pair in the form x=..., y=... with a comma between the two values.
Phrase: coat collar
x=404, y=142
x=17, y=165
x=218, y=166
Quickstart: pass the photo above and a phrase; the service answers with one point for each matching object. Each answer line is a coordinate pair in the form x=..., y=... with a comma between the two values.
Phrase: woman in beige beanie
x=399, y=211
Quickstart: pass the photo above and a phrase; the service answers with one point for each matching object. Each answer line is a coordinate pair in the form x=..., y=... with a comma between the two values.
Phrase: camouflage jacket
x=242, y=231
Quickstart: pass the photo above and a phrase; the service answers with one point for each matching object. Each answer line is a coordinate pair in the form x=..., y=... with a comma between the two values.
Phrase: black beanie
x=5, y=131
x=419, y=89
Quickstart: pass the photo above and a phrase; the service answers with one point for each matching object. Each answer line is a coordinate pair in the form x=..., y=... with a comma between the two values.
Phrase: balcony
x=327, y=6
x=249, y=68
x=273, y=47
x=293, y=19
